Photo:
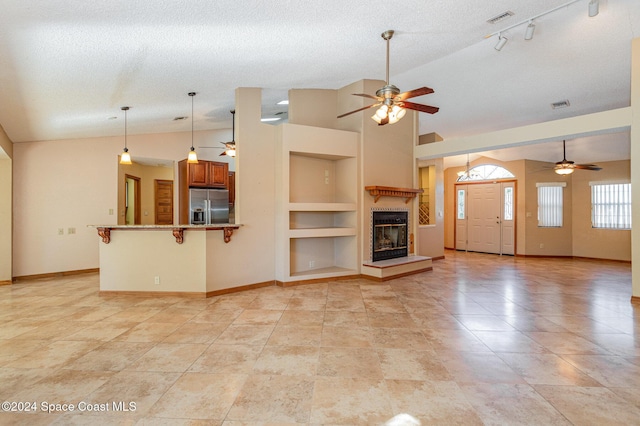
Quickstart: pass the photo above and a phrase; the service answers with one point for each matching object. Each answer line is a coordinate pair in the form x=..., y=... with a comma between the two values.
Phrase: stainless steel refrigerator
x=208, y=206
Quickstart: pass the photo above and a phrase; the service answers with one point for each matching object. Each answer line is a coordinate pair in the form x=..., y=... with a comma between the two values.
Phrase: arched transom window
x=484, y=172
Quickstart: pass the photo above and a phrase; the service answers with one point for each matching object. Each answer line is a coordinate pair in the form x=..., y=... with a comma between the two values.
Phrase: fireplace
x=389, y=234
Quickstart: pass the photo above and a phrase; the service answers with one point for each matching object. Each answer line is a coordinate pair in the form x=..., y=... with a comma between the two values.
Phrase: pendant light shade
x=192, y=157
x=125, y=157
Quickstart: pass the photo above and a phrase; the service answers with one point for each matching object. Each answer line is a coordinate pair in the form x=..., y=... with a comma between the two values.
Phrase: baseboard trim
x=6, y=282
x=55, y=274
x=153, y=293
x=438, y=258
x=393, y=277
x=544, y=256
x=317, y=280
x=240, y=288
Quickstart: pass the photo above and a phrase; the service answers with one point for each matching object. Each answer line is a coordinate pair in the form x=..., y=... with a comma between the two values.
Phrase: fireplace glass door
x=389, y=235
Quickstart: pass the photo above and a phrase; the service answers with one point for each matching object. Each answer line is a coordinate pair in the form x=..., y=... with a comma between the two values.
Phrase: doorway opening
x=132, y=204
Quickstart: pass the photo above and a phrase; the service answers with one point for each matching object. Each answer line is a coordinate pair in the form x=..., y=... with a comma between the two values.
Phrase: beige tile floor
x=481, y=339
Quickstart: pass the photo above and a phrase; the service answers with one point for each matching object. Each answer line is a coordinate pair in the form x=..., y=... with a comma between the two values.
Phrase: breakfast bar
x=181, y=260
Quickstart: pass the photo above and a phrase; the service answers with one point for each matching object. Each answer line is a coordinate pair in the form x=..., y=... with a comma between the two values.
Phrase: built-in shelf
x=389, y=191
x=322, y=207
x=321, y=232
x=319, y=193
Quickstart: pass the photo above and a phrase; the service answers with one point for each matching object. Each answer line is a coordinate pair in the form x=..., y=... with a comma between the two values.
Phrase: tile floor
x=481, y=339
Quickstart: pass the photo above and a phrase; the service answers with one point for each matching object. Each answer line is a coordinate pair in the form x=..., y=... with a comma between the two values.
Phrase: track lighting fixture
x=501, y=42
x=528, y=34
x=192, y=157
x=125, y=157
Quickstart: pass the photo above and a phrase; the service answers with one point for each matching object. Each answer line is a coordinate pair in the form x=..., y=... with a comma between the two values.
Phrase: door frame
x=466, y=194
x=137, y=204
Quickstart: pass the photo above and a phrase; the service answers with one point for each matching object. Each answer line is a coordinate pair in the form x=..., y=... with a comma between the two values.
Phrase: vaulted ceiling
x=66, y=67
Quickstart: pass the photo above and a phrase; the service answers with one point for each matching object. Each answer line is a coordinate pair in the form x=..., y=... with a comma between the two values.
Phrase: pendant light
x=125, y=157
x=464, y=173
x=192, y=157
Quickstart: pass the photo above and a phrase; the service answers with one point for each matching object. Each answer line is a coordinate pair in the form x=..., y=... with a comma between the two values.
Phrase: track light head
x=528, y=34
x=501, y=42
x=594, y=8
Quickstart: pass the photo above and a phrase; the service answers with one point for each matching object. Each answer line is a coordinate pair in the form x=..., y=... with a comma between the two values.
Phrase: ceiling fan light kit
x=392, y=104
x=566, y=167
x=230, y=147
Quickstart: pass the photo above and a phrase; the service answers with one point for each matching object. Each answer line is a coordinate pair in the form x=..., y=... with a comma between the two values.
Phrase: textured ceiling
x=66, y=66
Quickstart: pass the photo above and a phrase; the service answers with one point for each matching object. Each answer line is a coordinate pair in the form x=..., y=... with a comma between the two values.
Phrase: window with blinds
x=550, y=208
x=610, y=205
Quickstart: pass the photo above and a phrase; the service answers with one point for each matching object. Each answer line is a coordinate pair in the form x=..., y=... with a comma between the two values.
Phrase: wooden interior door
x=163, y=202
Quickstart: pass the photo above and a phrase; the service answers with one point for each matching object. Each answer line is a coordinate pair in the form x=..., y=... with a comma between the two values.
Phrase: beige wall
x=635, y=159
x=6, y=180
x=74, y=183
x=588, y=241
x=430, y=238
x=547, y=241
x=250, y=256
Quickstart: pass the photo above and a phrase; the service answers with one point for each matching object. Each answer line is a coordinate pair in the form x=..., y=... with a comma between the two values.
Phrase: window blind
x=611, y=205
x=550, y=207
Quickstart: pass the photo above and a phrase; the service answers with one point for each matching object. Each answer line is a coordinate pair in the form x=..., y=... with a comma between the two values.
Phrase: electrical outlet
x=156, y=280
x=541, y=245
x=60, y=231
x=71, y=231
x=312, y=264
x=110, y=212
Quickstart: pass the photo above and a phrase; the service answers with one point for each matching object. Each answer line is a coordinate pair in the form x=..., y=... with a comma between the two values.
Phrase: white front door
x=485, y=217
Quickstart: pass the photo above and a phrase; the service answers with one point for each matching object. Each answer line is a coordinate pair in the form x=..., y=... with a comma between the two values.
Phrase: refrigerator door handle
x=207, y=215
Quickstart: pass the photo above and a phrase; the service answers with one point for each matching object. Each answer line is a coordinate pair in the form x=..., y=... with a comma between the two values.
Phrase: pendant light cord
x=192, y=94
x=125, y=109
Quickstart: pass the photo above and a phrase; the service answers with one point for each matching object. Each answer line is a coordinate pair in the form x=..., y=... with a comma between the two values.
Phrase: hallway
x=481, y=339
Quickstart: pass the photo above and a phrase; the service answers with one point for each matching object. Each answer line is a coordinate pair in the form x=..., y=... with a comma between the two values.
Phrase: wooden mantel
x=390, y=191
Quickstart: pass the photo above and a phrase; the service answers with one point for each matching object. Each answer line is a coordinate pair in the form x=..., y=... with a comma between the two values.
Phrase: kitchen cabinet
x=203, y=174
x=206, y=174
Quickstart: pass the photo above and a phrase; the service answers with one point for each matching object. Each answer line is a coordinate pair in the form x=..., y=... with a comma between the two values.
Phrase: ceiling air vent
x=500, y=17
x=560, y=104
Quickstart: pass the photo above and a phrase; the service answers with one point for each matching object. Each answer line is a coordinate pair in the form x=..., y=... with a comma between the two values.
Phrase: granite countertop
x=212, y=226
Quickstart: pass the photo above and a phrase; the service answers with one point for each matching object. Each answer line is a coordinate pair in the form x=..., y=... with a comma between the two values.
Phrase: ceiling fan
x=566, y=167
x=229, y=147
x=392, y=103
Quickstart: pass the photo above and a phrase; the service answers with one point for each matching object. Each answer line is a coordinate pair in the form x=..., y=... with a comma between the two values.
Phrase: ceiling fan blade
x=223, y=153
x=365, y=95
x=420, y=107
x=358, y=110
x=415, y=92
x=588, y=167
